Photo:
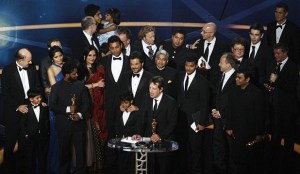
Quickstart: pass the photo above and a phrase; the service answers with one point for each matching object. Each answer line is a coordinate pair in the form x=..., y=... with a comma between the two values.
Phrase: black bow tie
x=20, y=69
x=280, y=25
x=116, y=58
x=35, y=106
x=136, y=75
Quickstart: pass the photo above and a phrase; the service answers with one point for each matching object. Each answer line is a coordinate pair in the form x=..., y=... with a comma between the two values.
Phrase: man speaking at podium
x=160, y=114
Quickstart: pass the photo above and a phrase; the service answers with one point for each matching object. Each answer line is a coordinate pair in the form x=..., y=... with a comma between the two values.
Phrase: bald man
x=209, y=50
x=18, y=78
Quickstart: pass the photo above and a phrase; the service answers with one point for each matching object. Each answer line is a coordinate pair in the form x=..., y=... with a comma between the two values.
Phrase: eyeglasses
x=239, y=49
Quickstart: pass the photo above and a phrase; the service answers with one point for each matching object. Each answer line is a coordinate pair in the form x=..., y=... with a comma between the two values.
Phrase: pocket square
x=169, y=81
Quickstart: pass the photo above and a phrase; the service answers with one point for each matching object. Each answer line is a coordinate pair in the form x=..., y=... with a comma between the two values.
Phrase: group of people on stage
x=231, y=109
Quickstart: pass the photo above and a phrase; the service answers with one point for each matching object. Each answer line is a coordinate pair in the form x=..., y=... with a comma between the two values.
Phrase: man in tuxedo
x=283, y=109
x=147, y=45
x=17, y=79
x=209, y=50
x=137, y=79
x=177, y=50
x=169, y=74
x=85, y=38
x=284, y=31
x=115, y=65
x=245, y=123
x=70, y=102
x=124, y=34
x=220, y=112
x=259, y=55
x=193, y=100
x=163, y=109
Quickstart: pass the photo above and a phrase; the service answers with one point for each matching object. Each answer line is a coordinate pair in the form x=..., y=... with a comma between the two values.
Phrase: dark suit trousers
x=195, y=152
x=36, y=154
x=13, y=162
x=66, y=140
x=220, y=147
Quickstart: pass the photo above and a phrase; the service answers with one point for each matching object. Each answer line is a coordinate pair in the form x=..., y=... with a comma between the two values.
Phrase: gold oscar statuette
x=154, y=126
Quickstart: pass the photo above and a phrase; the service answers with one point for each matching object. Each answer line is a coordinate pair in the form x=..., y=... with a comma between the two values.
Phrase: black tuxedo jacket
x=170, y=79
x=165, y=116
x=112, y=88
x=195, y=103
x=148, y=63
x=143, y=87
x=13, y=92
x=80, y=42
x=31, y=126
x=260, y=64
x=134, y=124
x=290, y=36
x=221, y=100
x=284, y=98
x=218, y=50
x=60, y=99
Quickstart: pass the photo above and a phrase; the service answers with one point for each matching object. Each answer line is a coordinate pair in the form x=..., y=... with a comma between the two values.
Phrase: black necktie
x=277, y=69
x=155, y=106
x=150, y=52
x=222, y=81
x=116, y=58
x=92, y=41
x=136, y=75
x=205, y=55
x=186, y=84
x=252, y=53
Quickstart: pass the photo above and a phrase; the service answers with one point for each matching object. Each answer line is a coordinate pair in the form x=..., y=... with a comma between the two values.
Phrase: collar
x=213, y=41
x=159, y=97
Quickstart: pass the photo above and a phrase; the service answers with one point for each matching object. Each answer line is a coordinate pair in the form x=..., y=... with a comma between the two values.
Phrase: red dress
x=96, y=139
x=97, y=95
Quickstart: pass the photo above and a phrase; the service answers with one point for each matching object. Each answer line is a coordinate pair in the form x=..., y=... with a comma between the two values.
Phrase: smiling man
x=168, y=73
x=147, y=44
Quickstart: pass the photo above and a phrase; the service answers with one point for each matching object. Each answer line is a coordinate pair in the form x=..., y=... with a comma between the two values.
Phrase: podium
x=141, y=149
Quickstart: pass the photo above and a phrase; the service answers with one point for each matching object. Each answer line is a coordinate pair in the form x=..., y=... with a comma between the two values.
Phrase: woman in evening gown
x=93, y=75
x=54, y=75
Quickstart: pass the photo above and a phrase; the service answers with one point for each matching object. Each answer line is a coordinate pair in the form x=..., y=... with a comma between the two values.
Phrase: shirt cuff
x=80, y=115
x=68, y=109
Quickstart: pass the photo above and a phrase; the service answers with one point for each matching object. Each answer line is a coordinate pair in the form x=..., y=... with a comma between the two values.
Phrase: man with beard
x=70, y=102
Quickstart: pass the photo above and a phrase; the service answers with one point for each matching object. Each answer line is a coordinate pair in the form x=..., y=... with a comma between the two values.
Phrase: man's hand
x=47, y=90
x=215, y=113
x=23, y=109
x=75, y=117
x=229, y=132
x=155, y=138
x=194, y=44
x=273, y=77
x=136, y=137
x=199, y=127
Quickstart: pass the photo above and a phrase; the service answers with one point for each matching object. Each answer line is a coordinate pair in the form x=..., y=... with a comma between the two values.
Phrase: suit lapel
x=18, y=78
x=229, y=81
x=142, y=82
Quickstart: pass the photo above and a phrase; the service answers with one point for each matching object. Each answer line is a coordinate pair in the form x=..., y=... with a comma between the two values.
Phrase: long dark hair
x=95, y=65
